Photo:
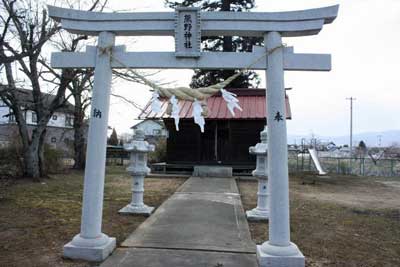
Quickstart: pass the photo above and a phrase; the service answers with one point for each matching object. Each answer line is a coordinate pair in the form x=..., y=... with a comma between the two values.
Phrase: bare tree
x=24, y=35
x=81, y=89
x=25, y=32
x=393, y=151
x=6, y=23
x=80, y=86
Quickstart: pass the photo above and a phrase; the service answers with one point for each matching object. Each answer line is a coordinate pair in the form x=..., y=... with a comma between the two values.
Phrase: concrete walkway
x=202, y=224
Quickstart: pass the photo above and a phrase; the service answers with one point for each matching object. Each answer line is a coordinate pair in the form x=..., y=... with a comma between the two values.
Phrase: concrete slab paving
x=209, y=185
x=204, y=218
x=145, y=257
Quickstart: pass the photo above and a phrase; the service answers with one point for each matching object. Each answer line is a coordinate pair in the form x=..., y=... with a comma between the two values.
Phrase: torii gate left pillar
x=91, y=244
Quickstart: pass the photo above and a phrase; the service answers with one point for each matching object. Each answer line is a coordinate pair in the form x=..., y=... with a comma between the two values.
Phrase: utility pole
x=379, y=140
x=351, y=128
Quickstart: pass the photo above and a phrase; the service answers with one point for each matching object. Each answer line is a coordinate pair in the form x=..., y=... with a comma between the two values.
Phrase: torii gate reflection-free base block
x=96, y=250
x=187, y=26
x=140, y=210
x=296, y=259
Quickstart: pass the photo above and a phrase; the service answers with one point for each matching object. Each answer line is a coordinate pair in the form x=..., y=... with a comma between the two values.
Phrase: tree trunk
x=79, y=148
x=33, y=153
x=79, y=134
x=42, y=163
x=31, y=162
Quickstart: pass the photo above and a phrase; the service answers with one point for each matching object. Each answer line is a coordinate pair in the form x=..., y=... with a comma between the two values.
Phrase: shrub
x=11, y=161
x=53, y=159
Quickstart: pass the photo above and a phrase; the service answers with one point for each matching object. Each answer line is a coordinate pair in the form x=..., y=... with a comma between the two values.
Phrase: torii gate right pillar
x=278, y=250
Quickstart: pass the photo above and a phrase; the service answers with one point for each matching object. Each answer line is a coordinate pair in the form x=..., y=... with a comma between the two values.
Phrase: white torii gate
x=187, y=25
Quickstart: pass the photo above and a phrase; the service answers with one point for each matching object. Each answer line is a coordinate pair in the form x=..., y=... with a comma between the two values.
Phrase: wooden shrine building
x=226, y=138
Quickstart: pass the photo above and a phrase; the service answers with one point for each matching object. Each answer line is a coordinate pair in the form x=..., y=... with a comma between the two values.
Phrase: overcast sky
x=364, y=42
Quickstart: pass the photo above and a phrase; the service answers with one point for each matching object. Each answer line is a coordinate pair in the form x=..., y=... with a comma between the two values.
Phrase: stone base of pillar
x=257, y=215
x=96, y=249
x=141, y=210
x=270, y=256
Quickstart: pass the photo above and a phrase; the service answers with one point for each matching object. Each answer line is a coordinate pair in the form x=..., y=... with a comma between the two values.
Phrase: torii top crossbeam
x=291, y=23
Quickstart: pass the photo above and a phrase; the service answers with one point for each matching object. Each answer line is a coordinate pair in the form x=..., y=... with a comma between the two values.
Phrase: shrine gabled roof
x=252, y=101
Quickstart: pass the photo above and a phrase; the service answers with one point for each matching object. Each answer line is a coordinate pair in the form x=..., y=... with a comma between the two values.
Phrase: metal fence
x=117, y=156
x=355, y=166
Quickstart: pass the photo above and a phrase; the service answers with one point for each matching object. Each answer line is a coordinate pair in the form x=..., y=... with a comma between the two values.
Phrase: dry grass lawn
x=336, y=221
x=339, y=221
x=37, y=219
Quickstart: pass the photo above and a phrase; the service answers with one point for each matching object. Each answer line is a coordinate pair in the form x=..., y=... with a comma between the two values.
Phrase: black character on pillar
x=188, y=35
x=187, y=19
x=96, y=113
x=188, y=27
x=278, y=117
x=188, y=44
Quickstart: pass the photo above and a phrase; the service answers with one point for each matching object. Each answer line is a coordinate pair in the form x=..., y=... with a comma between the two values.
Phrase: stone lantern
x=138, y=149
x=261, y=212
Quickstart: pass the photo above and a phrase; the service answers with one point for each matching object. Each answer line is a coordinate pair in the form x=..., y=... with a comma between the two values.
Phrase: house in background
x=59, y=132
x=154, y=129
x=226, y=139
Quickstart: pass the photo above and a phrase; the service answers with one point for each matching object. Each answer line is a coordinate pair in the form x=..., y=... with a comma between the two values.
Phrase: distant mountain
x=386, y=138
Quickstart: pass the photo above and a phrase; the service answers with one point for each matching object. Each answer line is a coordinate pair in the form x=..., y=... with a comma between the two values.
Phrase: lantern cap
x=261, y=148
x=264, y=135
x=138, y=144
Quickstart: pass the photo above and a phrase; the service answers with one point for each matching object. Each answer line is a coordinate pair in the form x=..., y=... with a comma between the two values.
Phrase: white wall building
x=59, y=132
x=59, y=119
x=151, y=128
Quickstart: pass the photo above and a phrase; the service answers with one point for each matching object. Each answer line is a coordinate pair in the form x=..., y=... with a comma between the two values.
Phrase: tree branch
x=135, y=105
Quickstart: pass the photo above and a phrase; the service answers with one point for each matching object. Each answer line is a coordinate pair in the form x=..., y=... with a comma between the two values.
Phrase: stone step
x=212, y=171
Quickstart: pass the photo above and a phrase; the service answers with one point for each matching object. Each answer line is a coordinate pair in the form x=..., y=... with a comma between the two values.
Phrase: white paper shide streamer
x=155, y=102
x=197, y=115
x=175, y=111
x=230, y=98
x=231, y=101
